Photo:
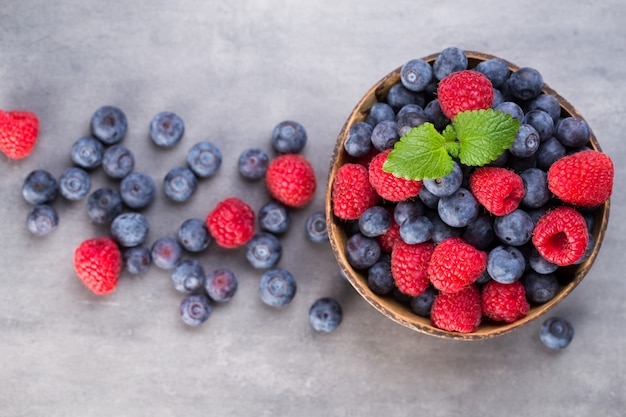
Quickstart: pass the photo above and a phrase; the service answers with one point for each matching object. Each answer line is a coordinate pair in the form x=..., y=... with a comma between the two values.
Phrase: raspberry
x=455, y=264
x=464, y=90
x=98, y=263
x=389, y=239
x=352, y=192
x=290, y=179
x=18, y=133
x=561, y=236
x=231, y=223
x=409, y=265
x=457, y=312
x=504, y=302
x=583, y=179
x=387, y=185
x=499, y=190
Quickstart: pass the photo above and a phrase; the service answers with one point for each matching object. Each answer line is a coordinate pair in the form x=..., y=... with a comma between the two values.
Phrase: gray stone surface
x=233, y=70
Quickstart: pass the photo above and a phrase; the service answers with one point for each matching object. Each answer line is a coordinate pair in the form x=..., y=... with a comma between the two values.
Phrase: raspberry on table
x=561, y=236
x=19, y=131
x=231, y=222
x=455, y=264
x=409, y=266
x=457, y=312
x=499, y=190
x=352, y=192
x=504, y=302
x=387, y=185
x=290, y=179
x=464, y=90
x=98, y=263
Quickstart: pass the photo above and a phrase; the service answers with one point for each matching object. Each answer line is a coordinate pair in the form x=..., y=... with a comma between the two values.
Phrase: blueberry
x=458, y=209
x=166, y=129
x=495, y=69
x=479, y=233
x=195, y=309
x=274, y=217
x=515, y=228
x=525, y=83
x=385, y=135
x=408, y=108
x=542, y=122
x=446, y=185
x=137, y=259
x=435, y=115
x=526, y=141
x=518, y=164
x=505, y=264
x=165, y=252
x=547, y=103
x=540, y=288
x=193, y=235
x=556, y=333
x=408, y=121
x=429, y=199
x=288, y=137
x=359, y=142
x=104, y=205
x=221, y=285
x=277, y=287
x=74, y=183
x=253, y=163
x=536, y=191
x=416, y=229
x=399, y=96
x=378, y=112
x=109, y=124
x=549, y=152
x=325, y=314
x=42, y=220
x=539, y=264
x=180, y=184
x=362, y=251
x=87, y=152
x=498, y=98
x=40, y=187
x=590, y=245
x=422, y=304
x=263, y=250
x=118, y=161
x=379, y=278
x=188, y=275
x=511, y=108
x=204, y=159
x=130, y=229
x=573, y=132
x=375, y=221
x=416, y=74
x=450, y=60
x=442, y=231
x=137, y=190
x=315, y=227
x=406, y=209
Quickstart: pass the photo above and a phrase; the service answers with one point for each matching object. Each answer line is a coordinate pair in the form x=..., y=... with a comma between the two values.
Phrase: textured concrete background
x=233, y=70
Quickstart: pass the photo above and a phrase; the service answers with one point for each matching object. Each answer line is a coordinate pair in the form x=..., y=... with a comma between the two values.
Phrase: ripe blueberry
x=277, y=287
x=42, y=220
x=166, y=129
x=325, y=314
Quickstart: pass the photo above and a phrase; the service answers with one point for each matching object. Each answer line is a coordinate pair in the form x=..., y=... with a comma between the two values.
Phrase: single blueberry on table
x=193, y=235
x=263, y=250
x=362, y=251
x=375, y=221
x=109, y=124
x=540, y=288
x=325, y=314
x=42, y=220
x=74, y=183
x=422, y=304
x=118, y=161
x=515, y=228
x=137, y=259
x=188, y=275
x=449, y=60
x=87, y=152
x=221, y=285
x=416, y=74
x=556, y=333
x=277, y=287
x=166, y=129
x=359, y=142
x=130, y=229
x=274, y=217
x=137, y=190
x=252, y=163
x=180, y=184
x=165, y=252
x=195, y=309
x=40, y=187
x=104, y=205
x=378, y=112
x=204, y=159
x=289, y=137
x=315, y=227
x=379, y=278
x=505, y=264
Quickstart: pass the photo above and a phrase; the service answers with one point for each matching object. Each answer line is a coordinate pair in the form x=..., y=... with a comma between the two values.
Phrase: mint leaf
x=483, y=135
x=420, y=154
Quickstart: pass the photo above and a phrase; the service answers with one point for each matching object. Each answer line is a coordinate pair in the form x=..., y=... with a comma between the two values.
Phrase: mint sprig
x=475, y=137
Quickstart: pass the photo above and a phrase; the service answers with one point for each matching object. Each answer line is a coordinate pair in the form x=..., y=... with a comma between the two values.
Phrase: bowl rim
x=384, y=304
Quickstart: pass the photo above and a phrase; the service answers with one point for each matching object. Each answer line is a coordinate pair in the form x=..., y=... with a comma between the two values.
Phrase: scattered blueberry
x=379, y=278
x=375, y=221
x=556, y=333
x=288, y=137
x=573, y=132
x=458, y=209
x=422, y=303
x=204, y=159
x=42, y=220
x=40, y=187
x=359, y=143
x=74, y=183
x=325, y=314
x=277, y=287
x=505, y=264
x=416, y=74
x=137, y=259
x=525, y=83
x=195, y=309
x=166, y=129
x=109, y=124
x=188, y=275
x=416, y=229
x=540, y=288
x=263, y=250
x=450, y=60
x=221, y=285
x=104, y=205
x=446, y=185
x=385, y=135
x=137, y=190
x=130, y=229
x=253, y=163
x=193, y=235
x=87, y=152
x=180, y=184
x=526, y=141
x=515, y=228
x=495, y=69
x=275, y=218
x=165, y=252
x=315, y=227
x=118, y=161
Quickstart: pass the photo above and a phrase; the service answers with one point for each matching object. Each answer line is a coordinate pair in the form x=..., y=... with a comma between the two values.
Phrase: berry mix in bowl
x=465, y=197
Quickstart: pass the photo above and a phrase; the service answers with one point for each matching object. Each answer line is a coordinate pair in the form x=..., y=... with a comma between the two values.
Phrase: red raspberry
x=409, y=264
x=499, y=190
x=583, y=179
x=98, y=263
x=389, y=239
x=457, y=312
x=561, y=236
x=352, y=192
x=231, y=223
x=464, y=90
x=455, y=264
x=387, y=185
x=18, y=133
x=504, y=302
x=290, y=179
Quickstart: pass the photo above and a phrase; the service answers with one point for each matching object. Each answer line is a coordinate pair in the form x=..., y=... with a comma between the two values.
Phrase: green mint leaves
x=475, y=137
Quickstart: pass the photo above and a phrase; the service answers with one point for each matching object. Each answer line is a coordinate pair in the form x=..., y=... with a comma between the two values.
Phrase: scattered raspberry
x=457, y=312
x=231, y=223
x=352, y=192
x=561, y=236
x=98, y=263
x=455, y=264
x=290, y=179
x=583, y=179
x=389, y=239
x=464, y=90
x=387, y=185
x=499, y=190
x=18, y=133
x=504, y=302
x=409, y=266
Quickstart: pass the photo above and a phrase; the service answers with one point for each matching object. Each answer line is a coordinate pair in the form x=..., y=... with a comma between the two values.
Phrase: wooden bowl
x=569, y=277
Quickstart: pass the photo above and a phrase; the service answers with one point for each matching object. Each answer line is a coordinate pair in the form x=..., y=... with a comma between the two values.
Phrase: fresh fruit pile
x=467, y=193
x=119, y=206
